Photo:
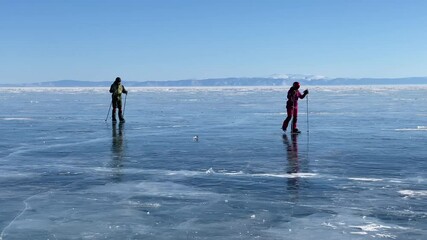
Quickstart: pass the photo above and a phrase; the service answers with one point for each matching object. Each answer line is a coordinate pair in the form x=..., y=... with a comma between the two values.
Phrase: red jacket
x=293, y=96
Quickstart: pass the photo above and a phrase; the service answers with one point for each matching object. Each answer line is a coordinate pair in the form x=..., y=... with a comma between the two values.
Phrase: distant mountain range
x=275, y=80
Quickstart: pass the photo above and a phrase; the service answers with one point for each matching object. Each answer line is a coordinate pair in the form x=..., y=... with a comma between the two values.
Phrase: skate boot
x=295, y=131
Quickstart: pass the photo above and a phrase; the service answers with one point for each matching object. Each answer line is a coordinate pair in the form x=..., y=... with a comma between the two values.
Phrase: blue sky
x=141, y=40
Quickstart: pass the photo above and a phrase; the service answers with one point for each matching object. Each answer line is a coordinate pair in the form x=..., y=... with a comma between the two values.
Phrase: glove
x=306, y=91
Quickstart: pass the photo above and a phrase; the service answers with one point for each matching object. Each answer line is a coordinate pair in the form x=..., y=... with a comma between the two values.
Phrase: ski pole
x=307, y=115
x=108, y=113
x=124, y=106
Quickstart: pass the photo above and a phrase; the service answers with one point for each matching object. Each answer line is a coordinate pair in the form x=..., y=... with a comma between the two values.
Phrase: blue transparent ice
x=359, y=173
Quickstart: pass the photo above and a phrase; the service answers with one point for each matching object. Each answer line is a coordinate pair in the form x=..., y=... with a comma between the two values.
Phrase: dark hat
x=296, y=85
x=118, y=79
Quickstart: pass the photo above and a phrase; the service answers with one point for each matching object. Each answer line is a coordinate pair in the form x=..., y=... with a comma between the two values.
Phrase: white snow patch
x=418, y=128
x=359, y=233
x=292, y=175
x=210, y=171
x=367, y=179
x=371, y=227
x=412, y=193
x=17, y=119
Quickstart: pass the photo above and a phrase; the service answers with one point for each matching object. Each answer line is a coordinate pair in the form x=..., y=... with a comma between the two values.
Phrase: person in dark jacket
x=292, y=107
x=116, y=91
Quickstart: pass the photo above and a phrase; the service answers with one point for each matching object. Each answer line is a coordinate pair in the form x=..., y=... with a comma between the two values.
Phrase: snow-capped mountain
x=298, y=77
x=272, y=80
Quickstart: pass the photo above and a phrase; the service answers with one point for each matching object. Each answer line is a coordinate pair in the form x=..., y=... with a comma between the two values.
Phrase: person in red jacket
x=292, y=107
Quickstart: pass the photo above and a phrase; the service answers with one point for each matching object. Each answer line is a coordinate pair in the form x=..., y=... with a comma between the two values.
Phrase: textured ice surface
x=360, y=173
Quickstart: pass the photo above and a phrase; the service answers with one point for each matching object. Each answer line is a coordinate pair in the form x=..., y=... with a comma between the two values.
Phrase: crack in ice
x=27, y=206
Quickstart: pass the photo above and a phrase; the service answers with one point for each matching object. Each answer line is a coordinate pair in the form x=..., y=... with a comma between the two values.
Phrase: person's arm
x=124, y=90
x=304, y=94
x=111, y=89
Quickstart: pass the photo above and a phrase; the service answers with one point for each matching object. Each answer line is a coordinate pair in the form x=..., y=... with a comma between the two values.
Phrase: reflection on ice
x=117, y=151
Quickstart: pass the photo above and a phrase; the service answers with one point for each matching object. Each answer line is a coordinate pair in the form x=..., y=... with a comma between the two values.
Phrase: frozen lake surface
x=359, y=173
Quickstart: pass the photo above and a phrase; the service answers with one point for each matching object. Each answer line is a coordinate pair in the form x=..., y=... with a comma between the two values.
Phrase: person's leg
x=288, y=118
x=119, y=104
x=113, y=115
x=294, y=119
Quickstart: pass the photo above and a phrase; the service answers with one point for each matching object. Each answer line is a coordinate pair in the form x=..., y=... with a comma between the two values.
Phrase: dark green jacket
x=117, y=89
